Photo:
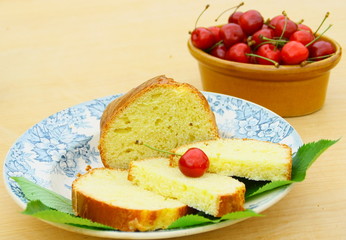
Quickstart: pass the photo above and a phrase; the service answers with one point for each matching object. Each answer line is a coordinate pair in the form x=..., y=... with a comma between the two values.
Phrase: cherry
x=193, y=163
x=302, y=36
x=273, y=22
x=238, y=53
x=219, y=51
x=265, y=26
x=231, y=33
x=264, y=32
x=304, y=27
x=246, y=38
x=285, y=28
x=321, y=49
x=216, y=32
x=202, y=38
x=293, y=53
x=234, y=18
x=268, y=51
x=251, y=21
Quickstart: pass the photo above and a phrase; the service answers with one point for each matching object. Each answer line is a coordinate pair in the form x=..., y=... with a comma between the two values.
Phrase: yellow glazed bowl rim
x=268, y=72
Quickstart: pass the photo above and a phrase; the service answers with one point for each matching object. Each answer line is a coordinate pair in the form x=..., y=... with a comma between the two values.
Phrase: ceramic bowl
x=289, y=90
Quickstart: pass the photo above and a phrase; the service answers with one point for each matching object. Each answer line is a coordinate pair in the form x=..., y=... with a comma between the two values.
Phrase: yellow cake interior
x=112, y=187
x=163, y=117
x=253, y=159
x=202, y=193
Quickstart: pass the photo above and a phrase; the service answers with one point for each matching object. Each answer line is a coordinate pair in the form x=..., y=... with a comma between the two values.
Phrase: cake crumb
x=87, y=168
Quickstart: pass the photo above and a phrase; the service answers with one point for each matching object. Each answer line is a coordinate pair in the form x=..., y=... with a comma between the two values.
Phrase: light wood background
x=57, y=54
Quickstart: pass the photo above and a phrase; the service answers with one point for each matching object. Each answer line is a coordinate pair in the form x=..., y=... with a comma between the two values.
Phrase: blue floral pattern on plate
x=55, y=150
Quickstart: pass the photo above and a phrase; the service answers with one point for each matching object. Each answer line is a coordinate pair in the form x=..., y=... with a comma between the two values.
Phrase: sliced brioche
x=248, y=158
x=161, y=113
x=106, y=196
x=212, y=193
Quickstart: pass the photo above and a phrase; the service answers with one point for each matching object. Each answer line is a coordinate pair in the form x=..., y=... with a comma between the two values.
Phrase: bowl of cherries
x=278, y=63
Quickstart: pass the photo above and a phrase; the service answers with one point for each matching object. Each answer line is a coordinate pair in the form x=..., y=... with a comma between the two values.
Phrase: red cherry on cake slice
x=194, y=163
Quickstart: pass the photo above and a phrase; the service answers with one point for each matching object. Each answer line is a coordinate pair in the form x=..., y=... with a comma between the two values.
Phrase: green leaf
x=267, y=187
x=51, y=199
x=198, y=220
x=241, y=214
x=189, y=221
x=35, y=206
x=306, y=156
x=37, y=209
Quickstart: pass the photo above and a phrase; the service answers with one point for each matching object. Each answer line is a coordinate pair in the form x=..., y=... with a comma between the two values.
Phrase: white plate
x=53, y=151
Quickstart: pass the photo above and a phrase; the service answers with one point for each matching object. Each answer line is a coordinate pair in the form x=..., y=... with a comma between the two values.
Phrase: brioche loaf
x=161, y=113
x=248, y=158
x=212, y=193
x=106, y=196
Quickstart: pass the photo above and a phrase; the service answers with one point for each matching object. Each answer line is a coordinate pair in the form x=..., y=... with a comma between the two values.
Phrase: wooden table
x=56, y=54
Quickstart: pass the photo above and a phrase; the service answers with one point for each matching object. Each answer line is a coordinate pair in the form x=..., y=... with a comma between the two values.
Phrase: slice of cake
x=248, y=158
x=212, y=193
x=106, y=196
x=162, y=113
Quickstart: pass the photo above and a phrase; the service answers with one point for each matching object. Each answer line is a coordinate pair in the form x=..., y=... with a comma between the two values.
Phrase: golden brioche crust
x=122, y=218
x=122, y=102
x=118, y=105
x=231, y=203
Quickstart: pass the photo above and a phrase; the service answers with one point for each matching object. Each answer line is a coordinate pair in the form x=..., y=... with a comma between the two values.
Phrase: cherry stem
x=284, y=29
x=266, y=42
x=304, y=63
x=324, y=19
x=156, y=149
x=273, y=40
x=235, y=9
x=206, y=7
x=262, y=43
x=320, y=57
x=214, y=46
x=319, y=36
x=276, y=64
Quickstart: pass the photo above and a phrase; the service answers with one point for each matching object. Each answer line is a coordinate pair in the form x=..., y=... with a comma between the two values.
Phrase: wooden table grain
x=57, y=54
